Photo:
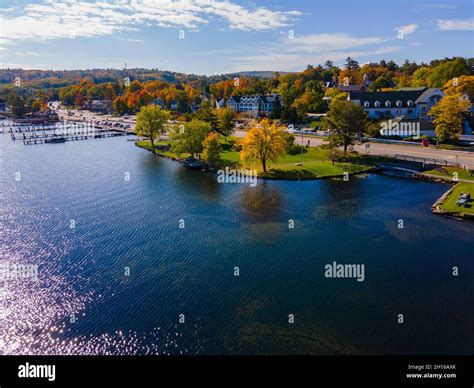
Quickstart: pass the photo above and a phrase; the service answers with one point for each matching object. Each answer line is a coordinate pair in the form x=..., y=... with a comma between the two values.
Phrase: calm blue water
x=83, y=302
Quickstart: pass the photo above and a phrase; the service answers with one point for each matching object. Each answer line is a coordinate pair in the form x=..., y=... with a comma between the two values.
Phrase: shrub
x=296, y=149
x=289, y=140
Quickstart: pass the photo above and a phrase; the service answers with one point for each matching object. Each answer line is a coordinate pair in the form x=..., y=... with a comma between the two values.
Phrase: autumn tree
x=382, y=82
x=120, y=105
x=345, y=119
x=151, y=121
x=222, y=89
x=225, y=121
x=420, y=76
x=462, y=84
x=264, y=142
x=212, y=149
x=447, y=70
x=449, y=115
x=351, y=73
x=189, y=137
x=34, y=105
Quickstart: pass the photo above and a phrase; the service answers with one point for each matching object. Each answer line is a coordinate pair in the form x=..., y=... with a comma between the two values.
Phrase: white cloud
x=27, y=53
x=464, y=25
x=297, y=53
x=285, y=62
x=408, y=29
x=326, y=42
x=68, y=19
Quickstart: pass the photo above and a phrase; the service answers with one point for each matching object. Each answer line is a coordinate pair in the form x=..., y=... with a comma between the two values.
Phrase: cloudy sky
x=207, y=37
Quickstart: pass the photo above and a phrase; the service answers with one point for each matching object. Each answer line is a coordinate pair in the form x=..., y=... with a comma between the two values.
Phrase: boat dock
x=60, y=133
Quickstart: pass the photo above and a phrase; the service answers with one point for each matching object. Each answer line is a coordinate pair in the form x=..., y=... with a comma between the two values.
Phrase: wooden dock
x=38, y=134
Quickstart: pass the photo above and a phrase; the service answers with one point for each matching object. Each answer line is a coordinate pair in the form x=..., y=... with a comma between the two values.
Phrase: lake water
x=70, y=210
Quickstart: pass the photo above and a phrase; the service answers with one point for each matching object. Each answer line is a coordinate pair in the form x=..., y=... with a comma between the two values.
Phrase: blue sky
x=229, y=35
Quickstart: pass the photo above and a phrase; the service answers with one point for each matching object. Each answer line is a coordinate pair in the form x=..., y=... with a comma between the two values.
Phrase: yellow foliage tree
x=449, y=116
x=462, y=84
x=212, y=148
x=264, y=142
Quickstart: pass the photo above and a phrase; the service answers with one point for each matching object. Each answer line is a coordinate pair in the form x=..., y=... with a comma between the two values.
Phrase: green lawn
x=316, y=162
x=450, y=202
x=228, y=155
x=447, y=172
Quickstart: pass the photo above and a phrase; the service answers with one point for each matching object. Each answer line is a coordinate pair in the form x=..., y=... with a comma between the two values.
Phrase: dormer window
x=366, y=104
x=388, y=104
x=399, y=103
x=377, y=104
x=410, y=103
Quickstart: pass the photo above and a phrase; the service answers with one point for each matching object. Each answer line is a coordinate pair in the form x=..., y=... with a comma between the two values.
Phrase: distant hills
x=58, y=78
x=257, y=74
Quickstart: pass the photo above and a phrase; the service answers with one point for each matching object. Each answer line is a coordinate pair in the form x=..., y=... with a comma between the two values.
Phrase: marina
x=60, y=132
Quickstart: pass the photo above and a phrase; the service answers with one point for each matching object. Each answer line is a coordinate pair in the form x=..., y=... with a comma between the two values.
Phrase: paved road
x=462, y=157
x=85, y=115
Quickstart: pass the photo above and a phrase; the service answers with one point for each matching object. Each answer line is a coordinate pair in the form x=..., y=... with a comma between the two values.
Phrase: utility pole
x=302, y=146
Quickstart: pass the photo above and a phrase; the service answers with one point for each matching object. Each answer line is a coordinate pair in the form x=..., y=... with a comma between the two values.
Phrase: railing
x=416, y=159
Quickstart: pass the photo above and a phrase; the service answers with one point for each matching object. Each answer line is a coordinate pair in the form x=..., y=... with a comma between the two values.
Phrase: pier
x=60, y=133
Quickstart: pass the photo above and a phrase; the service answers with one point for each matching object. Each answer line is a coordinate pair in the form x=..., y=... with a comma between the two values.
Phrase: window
x=410, y=103
x=399, y=103
x=366, y=104
x=388, y=104
x=377, y=104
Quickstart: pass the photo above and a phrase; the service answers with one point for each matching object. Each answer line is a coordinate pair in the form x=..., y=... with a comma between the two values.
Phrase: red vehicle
x=425, y=142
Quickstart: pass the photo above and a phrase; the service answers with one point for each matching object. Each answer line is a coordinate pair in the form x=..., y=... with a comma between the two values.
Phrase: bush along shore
x=312, y=163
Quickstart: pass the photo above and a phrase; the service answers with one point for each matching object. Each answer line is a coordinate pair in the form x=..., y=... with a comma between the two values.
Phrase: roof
x=351, y=88
x=427, y=93
x=101, y=102
x=393, y=96
x=269, y=98
x=413, y=88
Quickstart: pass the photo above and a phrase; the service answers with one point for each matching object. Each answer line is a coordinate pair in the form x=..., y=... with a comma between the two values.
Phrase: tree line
x=301, y=92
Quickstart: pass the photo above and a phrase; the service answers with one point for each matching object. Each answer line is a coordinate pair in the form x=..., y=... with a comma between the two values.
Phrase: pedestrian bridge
x=401, y=167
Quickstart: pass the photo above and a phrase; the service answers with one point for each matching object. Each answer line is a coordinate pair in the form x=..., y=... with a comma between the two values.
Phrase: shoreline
x=372, y=169
x=435, y=208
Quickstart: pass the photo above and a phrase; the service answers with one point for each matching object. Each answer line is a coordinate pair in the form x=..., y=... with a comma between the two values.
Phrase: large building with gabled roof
x=255, y=104
x=405, y=103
